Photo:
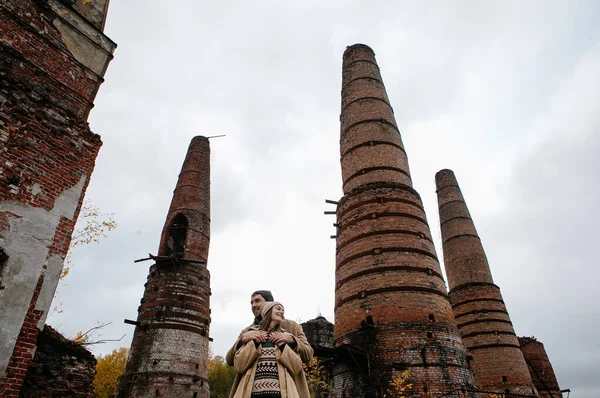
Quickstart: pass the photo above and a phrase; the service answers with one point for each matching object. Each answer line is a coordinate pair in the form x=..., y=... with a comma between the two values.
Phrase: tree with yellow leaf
x=92, y=225
x=109, y=369
x=220, y=377
x=401, y=386
x=317, y=377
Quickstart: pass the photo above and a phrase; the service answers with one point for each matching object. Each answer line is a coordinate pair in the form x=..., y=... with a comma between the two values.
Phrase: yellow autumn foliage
x=109, y=369
x=92, y=225
x=317, y=377
x=79, y=338
x=220, y=377
x=401, y=386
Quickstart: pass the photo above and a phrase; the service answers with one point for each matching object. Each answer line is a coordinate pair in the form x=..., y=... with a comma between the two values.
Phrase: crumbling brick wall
x=60, y=368
x=319, y=333
x=52, y=60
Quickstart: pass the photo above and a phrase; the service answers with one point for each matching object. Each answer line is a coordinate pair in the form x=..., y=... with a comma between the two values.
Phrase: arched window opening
x=177, y=233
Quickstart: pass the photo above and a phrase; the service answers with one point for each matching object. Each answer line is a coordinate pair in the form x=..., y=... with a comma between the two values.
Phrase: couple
x=268, y=354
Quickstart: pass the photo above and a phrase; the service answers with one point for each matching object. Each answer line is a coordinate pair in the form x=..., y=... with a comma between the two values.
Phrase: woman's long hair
x=266, y=322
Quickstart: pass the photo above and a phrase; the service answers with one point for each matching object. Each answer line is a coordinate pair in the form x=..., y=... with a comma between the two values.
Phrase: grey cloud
x=544, y=247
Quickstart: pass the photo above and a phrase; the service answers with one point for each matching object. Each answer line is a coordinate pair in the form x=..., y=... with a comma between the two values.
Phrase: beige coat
x=302, y=347
x=292, y=380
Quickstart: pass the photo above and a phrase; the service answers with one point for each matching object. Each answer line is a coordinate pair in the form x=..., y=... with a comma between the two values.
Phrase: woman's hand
x=260, y=336
x=279, y=338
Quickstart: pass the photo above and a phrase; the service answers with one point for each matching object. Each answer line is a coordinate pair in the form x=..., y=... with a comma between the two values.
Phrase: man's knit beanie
x=267, y=295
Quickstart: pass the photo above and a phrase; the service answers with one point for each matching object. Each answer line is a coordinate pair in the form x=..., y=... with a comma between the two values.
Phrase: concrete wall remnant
x=94, y=11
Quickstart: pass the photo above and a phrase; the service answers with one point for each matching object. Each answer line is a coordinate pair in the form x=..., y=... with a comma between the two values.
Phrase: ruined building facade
x=53, y=56
x=170, y=346
x=392, y=311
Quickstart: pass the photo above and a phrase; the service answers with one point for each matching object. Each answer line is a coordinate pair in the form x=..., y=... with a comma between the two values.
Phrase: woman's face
x=277, y=315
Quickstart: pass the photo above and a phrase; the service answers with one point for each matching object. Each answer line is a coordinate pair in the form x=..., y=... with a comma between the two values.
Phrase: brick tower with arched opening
x=169, y=352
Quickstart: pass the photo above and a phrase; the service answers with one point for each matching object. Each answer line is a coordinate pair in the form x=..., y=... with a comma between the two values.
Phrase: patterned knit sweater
x=266, y=378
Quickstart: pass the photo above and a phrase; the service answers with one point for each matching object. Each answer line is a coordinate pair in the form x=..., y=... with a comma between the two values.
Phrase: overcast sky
x=505, y=93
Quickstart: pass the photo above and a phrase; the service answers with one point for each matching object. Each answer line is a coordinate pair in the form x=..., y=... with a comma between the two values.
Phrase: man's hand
x=260, y=336
x=279, y=338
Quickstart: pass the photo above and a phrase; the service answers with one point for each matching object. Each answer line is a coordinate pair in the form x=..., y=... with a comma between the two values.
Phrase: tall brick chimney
x=392, y=312
x=169, y=352
x=540, y=368
x=482, y=318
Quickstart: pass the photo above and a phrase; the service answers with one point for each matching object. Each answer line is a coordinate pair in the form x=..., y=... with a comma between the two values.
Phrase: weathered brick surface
x=370, y=145
x=169, y=351
x=47, y=53
x=60, y=367
x=392, y=311
x=540, y=367
x=481, y=316
x=48, y=82
x=191, y=199
x=319, y=332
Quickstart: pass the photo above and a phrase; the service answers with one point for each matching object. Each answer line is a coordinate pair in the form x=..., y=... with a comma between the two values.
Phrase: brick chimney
x=391, y=308
x=487, y=332
x=169, y=352
x=540, y=368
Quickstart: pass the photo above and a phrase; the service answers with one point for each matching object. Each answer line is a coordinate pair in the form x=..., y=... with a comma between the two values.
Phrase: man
x=294, y=336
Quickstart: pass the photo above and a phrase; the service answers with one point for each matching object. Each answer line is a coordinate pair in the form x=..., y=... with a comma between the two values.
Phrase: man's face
x=256, y=302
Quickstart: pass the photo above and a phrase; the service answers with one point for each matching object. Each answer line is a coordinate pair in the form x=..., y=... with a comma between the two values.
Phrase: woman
x=268, y=368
